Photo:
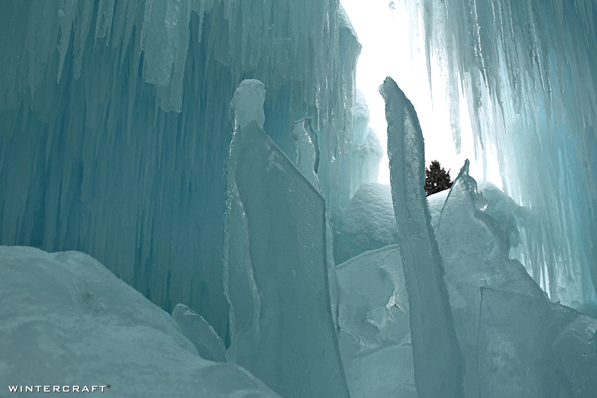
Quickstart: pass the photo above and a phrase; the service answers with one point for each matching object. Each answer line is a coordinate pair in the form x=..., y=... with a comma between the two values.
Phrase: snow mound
x=68, y=321
x=367, y=223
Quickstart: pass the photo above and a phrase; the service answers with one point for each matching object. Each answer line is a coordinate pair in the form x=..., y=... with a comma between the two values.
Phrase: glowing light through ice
x=384, y=31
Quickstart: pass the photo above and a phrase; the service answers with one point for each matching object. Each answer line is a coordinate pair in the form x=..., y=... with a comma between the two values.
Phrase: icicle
x=525, y=67
x=103, y=24
x=81, y=31
x=122, y=176
x=66, y=16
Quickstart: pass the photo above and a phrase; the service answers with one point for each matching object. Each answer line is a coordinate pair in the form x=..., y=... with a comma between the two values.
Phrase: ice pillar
x=439, y=365
x=276, y=266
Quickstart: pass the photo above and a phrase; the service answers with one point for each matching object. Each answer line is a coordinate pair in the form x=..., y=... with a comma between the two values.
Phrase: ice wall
x=526, y=71
x=366, y=150
x=114, y=126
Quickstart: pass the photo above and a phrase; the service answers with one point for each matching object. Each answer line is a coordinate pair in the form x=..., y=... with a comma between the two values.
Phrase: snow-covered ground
x=67, y=322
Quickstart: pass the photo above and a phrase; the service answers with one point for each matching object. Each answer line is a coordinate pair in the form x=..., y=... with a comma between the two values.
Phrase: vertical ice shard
x=374, y=332
x=439, y=365
x=474, y=248
x=276, y=230
x=306, y=158
x=240, y=287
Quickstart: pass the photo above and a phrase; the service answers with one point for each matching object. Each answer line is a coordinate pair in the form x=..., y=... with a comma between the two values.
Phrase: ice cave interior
x=190, y=205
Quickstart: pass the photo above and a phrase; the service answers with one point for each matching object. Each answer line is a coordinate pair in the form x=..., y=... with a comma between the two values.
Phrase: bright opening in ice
x=386, y=33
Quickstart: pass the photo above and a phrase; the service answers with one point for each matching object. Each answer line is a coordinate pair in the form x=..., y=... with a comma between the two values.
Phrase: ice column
x=439, y=365
x=276, y=266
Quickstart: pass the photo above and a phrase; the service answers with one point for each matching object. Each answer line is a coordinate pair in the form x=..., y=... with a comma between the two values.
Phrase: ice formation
x=281, y=322
x=368, y=222
x=475, y=249
x=438, y=361
x=366, y=150
x=558, y=361
x=117, y=140
x=526, y=70
x=306, y=150
x=514, y=340
x=373, y=323
x=66, y=320
x=114, y=121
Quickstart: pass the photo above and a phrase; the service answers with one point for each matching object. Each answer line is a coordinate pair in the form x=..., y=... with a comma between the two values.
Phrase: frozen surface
x=374, y=332
x=66, y=320
x=436, y=204
x=438, y=361
x=534, y=348
x=114, y=129
x=277, y=272
x=209, y=345
x=474, y=248
x=507, y=212
x=514, y=340
x=367, y=223
x=526, y=70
